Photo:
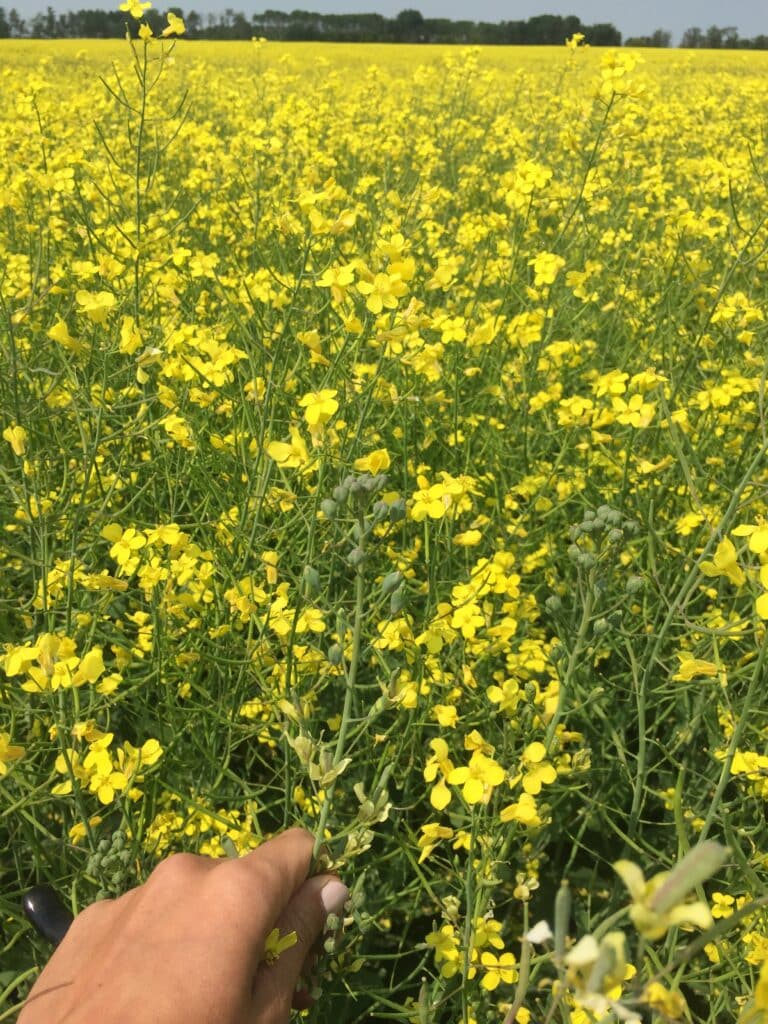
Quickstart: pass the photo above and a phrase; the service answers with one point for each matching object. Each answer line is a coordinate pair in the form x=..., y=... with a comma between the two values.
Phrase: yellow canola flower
x=318, y=407
x=546, y=267
x=433, y=833
x=276, y=944
x=375, y=462
x=96, y=305
x=498, y=970
x=17, y=659
x=58, y=664
x=440, y=795
x=17, y=438
x=694, y=668
x=60, y=333
x=468, y=539
x=576, y=40
x=445, y=943
x=761, y=604
x=103, y=780
x=757, y=533
x=175, y=25
x=338, y=279
x=292, y=454
x=383, y=292
x=478, y=779
x=724, y=563
x=538, y=772
x=136, y=8
x=671, y=1005
x=524, y=812
x=8, y=752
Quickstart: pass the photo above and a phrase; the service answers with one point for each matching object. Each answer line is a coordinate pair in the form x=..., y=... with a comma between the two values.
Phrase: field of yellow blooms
x=384, y=450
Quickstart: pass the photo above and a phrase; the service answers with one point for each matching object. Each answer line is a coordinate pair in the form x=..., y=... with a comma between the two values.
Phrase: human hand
x=187, y=946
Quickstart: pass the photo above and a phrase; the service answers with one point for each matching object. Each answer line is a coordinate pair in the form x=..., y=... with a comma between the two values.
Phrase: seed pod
x=379, y=512
x=397, y=510
x=696, y=867
x=391, y=582
x=311, y=580
x=635, y=584
x=356, y=556
x=558, y=653
x=562, y=917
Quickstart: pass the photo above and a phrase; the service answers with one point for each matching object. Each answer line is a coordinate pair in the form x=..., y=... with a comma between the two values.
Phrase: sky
x=750, y=17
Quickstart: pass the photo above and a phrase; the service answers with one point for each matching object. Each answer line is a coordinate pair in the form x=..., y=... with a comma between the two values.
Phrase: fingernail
x=333, y=896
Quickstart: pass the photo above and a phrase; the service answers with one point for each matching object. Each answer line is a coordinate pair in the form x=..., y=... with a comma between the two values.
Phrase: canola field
x=384, y=442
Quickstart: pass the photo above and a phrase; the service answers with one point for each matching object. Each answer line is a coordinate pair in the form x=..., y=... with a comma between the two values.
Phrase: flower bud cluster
x=595, y=548
x=357, y=490
x=598, y=532
x=109, y=864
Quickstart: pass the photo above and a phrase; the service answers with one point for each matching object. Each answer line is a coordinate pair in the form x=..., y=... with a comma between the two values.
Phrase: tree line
x=409, y=26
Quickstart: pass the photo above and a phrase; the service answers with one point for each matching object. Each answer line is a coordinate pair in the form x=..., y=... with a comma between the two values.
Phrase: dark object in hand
x=47, y=913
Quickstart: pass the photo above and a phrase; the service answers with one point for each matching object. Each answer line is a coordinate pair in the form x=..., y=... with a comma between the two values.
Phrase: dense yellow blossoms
x=384, y=449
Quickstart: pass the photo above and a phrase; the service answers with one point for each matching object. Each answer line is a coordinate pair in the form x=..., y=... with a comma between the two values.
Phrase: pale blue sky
x=750, y=17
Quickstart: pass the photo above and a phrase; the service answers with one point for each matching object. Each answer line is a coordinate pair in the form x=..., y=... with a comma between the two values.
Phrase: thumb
x=306, y=915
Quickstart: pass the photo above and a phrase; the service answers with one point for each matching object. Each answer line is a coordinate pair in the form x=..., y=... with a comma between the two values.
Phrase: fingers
x=306, y=915
x=261, y=884
x=191, y=941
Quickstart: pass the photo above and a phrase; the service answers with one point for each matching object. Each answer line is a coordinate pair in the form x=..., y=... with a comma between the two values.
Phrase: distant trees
x=693, y=39
x=716, y=38
x=660, y=38
x=11, y=25
x=409, y=26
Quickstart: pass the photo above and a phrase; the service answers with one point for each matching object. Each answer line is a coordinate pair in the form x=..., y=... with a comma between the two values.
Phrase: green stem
x=524, y=973
x=469, y=904
x=586, y=615
x=351, y=679
x=637, y=795
x=139, y=153
x=738, y=732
